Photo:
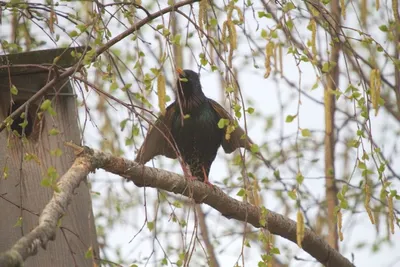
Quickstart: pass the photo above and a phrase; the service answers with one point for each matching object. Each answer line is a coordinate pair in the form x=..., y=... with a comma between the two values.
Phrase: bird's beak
x=180, y=72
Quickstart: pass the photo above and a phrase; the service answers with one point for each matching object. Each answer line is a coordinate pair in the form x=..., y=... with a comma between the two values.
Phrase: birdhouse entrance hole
x=27, y=123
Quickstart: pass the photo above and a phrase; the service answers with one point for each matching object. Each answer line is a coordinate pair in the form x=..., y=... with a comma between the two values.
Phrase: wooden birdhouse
x=33, y=157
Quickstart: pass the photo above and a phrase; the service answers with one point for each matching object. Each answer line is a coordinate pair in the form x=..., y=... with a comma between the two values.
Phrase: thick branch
x=156, y=178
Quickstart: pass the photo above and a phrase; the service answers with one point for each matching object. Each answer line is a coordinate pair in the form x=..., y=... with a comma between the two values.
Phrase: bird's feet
x=206, y=181
x=188, y=174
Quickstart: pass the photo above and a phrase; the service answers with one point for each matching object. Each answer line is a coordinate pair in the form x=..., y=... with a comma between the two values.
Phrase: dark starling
x=196, y=134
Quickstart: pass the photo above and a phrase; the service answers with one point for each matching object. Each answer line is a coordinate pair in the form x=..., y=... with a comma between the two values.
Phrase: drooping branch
x=75, y=68
x=212, y=259
x=330, y=139
x=89, y=160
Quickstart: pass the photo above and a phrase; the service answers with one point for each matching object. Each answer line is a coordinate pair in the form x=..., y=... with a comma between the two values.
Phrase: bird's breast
x=198, y=134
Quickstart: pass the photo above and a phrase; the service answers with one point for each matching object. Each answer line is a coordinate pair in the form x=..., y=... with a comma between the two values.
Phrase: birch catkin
x=161, y=93
x=269, y=52
x=340, y=224
x=366, y=203
x=300, y=228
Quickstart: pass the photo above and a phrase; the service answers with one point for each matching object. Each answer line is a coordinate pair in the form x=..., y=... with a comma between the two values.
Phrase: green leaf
x=275, y=251
x=56, y=152
x=305, y=133
x=13, y=90
x=383, y=28
x=177, y=39
x=183, y=223
x=263, y=217
x=166, y=32
x=343, y=204
x=5, y=172
x=182, y=256
x=135, y=131
x=292, y=195
x=89, y=253
x=45, y=105
x=24, y=123
x=262, y=14
x=229, y=89
x=177, y=204
x=19, y=222
x=236, y=107
x=290, y=118
x=81, y=27
x=54, y=131
x=289, y=6
x=354, y=143
x=128, y=141
x=222, y=123
x=264, y=33
x=203, y=61
x=238, y=114
x=250, y=110
x=126, y=87
x=254, y=148
x=150, y=226
x=328, y=66
x=289, y=24
x=365, y=156
x=361, y=165
x=345, y=188
x=315, y=86
x=299, y=178
x=73, y=33
x=45, y=182
x=114, y=86
x=213, y=22
x=241, y=192
x=122, y=124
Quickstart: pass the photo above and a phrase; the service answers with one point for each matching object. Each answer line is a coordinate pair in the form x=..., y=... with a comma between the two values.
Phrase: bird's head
x=188, y=84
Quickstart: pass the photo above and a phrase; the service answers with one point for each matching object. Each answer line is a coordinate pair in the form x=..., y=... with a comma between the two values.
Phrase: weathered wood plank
x=10, y=62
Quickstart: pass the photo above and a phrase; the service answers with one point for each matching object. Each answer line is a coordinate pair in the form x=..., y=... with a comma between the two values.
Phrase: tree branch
x=332, y=83
x=89, y=160
x=97, y=53
x=212, y=259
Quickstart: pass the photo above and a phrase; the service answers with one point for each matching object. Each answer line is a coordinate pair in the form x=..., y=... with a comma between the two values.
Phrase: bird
x=190, y=130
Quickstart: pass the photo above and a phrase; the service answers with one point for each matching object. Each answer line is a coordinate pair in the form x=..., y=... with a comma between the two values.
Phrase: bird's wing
x=238, y=137
x=158, y=139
